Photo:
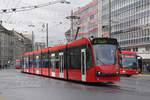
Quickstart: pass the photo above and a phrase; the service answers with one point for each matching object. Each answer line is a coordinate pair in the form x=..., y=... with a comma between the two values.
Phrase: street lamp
x=64, y=1
x=71, y=18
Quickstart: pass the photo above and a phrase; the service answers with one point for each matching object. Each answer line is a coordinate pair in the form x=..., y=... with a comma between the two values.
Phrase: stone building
x=12, y=44
x=39, y=45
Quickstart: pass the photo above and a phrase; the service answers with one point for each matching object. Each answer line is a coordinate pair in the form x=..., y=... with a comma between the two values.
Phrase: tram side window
x=40, y=60
x=27, y=62
x=49, y=60
x=61, y=59
x=30, y=61
x=54, y=60
x=53, y=64
x=57, y=60
x=45, y=60
x=89, y=57
x=34, y=60
x=75, y=58
x=22, y=62
x=37, y=61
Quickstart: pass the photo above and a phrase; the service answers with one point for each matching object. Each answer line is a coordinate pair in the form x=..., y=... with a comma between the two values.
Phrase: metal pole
x=47, y=34
x=109, y=18
x=14, y=52
x=32, y=41
x=71, y=25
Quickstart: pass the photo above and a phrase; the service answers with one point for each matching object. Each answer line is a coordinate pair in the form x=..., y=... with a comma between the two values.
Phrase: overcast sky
x=53, y=14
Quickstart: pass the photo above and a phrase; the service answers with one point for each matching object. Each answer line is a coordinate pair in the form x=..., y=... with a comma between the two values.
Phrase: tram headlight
x=123, y=71
x=118, y=72
x=98, y=73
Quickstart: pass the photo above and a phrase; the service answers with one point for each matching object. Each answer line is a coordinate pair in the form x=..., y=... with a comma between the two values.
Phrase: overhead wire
x=17, y=4
x=27, y=8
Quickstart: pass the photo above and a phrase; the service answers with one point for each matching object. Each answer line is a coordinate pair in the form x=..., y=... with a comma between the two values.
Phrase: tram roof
x=79, y=42
x=57, y=47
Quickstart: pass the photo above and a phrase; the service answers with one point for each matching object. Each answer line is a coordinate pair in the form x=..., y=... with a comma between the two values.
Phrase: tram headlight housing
x=98, y=73
x=118, y=72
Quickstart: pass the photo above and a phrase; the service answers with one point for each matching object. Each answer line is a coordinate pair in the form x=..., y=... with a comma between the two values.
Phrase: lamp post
x=109, y=3
x=32, y=36
x=71, y=19
x=47, y=35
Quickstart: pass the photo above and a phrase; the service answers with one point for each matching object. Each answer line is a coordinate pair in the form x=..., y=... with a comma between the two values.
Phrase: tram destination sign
x=104, y=41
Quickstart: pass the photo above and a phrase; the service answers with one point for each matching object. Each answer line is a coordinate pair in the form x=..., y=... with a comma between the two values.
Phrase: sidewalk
x=144, y=74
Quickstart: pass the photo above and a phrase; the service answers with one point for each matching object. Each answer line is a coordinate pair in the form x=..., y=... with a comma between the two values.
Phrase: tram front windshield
x=105, y=54
x=129, y=61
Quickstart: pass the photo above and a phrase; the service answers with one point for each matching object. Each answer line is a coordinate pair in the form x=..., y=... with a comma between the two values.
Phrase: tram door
x=37, y=64
x=61, y=65
x=24, y=64
x=53, y=64
x=83, y=64
x=27, y=64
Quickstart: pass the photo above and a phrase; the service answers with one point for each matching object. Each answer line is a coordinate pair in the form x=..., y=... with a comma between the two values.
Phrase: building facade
x=130, y=24
x=39, y=45
x=88, y=21
x=12, y=44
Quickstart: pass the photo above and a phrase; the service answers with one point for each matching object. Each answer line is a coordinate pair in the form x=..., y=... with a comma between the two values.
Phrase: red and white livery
x=86, y=60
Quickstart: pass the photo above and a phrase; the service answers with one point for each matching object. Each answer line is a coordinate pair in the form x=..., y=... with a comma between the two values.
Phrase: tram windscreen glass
x=129, y=61
x=105, y=54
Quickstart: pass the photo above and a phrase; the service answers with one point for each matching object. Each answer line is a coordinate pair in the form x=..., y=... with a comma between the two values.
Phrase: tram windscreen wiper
x=100, y=61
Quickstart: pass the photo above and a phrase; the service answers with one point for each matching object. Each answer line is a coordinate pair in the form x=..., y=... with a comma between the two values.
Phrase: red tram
x=129, y=63
x=86, y=60
x=17, y=64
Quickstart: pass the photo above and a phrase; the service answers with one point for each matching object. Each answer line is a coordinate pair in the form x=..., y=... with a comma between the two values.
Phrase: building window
x=91, y=17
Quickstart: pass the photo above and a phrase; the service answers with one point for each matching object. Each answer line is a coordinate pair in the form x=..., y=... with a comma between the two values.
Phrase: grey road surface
x=15, y=85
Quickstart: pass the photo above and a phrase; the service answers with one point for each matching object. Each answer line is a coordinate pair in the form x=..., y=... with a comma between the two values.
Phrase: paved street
x=19, y=86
